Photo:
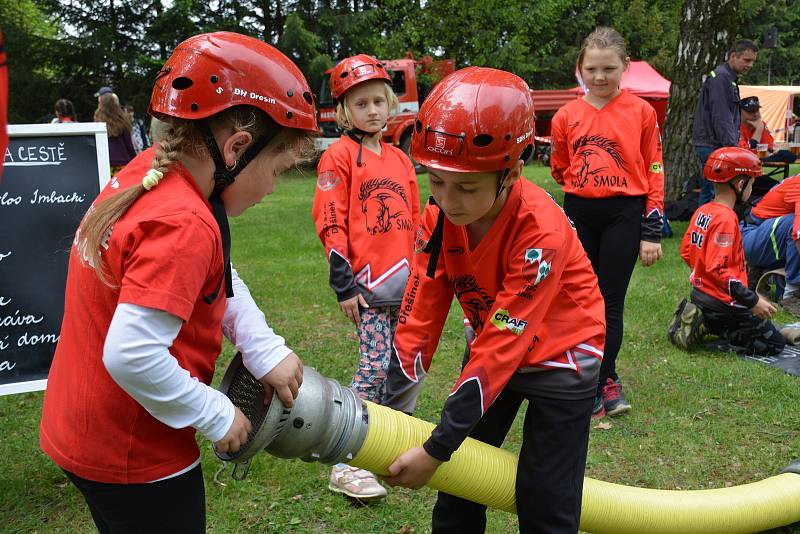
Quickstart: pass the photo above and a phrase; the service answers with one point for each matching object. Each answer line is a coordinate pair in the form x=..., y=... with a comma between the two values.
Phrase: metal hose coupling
x=328, y=422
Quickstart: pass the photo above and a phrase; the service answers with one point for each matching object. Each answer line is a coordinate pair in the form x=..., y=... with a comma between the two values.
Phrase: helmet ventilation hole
x=182, y=82
x=288, y=114
x=289, y=93
x=482, y=140
x=508, y=137
x=308, y=98
x=418, y=127
x=214, y=78
x=194, y=106
x=344, y=74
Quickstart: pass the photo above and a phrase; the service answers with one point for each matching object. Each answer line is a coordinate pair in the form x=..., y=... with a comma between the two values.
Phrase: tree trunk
x=708, y=28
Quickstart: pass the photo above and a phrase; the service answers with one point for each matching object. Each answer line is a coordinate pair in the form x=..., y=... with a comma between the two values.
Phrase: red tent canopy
x=644, y=81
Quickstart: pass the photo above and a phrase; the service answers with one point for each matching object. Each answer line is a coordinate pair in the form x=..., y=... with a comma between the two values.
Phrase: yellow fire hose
x=329, y=424
x=486, y=474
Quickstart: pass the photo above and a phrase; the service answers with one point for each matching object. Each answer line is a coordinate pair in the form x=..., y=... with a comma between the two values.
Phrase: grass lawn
x=702, y=420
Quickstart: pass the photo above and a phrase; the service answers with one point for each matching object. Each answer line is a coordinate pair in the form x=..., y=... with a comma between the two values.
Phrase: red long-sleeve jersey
x=783, y=199
x=527, y=289
x=746, y=135
x=366, y=218
x=613, y=151
x=712, y=248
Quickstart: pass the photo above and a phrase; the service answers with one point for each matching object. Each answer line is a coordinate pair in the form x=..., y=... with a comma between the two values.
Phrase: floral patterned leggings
x=375, y=336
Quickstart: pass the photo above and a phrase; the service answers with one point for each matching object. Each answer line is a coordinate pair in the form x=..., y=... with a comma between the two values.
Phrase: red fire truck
x=412, y=80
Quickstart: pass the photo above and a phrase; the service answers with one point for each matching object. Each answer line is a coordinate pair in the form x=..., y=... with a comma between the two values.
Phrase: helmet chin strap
x=434, y=245
x=357, y=135
x=223, y=177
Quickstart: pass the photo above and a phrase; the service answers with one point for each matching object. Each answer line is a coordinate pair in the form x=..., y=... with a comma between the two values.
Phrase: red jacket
x=366, y=218
x=529, y=292
x=783, y=199
x=613, y=151
x=712, y=248
x=746, y=134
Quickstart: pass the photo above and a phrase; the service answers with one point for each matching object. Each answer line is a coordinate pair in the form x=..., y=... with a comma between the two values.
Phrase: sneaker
x=613, y=401
x=791, y=304
x=687, y=326
x=356, y=483
x=599, y=410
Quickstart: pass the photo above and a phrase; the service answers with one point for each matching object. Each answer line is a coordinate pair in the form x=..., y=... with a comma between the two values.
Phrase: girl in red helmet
x=721, y=303
x=150, y=289
x=507, y=252
x=366, y=209
x=606, y=153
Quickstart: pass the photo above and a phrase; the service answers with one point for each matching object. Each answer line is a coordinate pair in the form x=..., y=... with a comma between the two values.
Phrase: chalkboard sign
x=51, y=175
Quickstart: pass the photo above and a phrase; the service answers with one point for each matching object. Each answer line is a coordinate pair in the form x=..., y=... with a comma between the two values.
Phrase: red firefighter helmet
x=475, y=120
x=725, y=164
x=211, y=72
x=354, y=70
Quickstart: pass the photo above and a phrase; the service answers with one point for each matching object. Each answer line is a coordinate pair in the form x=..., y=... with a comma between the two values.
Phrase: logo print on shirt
x=327, y=180
x=502, y=319
x=473, y=298
x=537, y=264
x=114, y=183
x=724, y=240
x=384, y=205
x=605, y=150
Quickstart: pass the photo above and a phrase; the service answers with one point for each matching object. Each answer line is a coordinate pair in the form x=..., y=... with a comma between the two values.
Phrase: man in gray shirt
x=716, y=119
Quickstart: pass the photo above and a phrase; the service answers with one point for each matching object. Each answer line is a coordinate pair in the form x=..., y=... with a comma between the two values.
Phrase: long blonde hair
x=180, y=137
x=345, y=120
x=601, y=38
x=110, y=112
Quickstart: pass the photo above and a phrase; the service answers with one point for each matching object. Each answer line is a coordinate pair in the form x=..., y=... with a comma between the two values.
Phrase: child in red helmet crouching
x=507, y=252
x=720, y=302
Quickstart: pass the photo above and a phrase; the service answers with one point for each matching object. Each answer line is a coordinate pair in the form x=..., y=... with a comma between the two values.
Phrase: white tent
x=776, y=106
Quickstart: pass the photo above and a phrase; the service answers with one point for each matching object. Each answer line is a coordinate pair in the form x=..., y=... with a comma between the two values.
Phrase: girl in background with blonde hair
x=606, y=154
x=120, y=131
x=366, y=209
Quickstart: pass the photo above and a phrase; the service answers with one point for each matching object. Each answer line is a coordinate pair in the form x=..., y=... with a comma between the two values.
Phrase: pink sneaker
x=356, y=483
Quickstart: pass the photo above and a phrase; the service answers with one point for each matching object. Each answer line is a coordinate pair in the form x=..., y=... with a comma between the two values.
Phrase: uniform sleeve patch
x=723, y=240
x=537, y=264
x=327, y=180
x=503, y=320
x=656, y=167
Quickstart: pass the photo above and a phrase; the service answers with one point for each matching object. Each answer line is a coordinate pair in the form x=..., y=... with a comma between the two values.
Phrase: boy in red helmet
x=507, y=252
x=366, y=210
x=150, y=290
x=720, y=302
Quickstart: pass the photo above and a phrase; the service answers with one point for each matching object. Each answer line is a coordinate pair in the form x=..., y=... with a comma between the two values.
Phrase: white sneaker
x=356, y=483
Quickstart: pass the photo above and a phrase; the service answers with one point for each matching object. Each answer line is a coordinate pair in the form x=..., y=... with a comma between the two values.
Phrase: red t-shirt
x=527, y=289
x=613, y=151
x=164, y=253
x=783, y=199
x=712, y=248
x=366, y=217
x=746, y=133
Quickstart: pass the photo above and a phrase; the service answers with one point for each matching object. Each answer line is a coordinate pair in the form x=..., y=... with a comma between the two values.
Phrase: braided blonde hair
x=179, y=137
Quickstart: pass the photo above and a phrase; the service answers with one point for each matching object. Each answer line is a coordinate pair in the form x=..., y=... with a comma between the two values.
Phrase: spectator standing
x=717, y=118
x=64, y=110
x=140, y=140
x=120, y=130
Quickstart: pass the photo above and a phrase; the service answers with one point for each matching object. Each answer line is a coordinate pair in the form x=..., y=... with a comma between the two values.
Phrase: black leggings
x=174, y=505
x=610, y=230
x=550, y=470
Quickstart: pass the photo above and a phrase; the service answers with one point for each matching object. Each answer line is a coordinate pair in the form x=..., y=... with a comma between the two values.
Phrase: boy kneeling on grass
x=720, y=302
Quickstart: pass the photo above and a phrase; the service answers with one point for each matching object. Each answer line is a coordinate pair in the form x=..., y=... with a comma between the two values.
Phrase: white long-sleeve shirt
x=136, y=355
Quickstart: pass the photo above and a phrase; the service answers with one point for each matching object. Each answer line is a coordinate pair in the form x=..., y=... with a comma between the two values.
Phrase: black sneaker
x=613, y=401
x=687, y=326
